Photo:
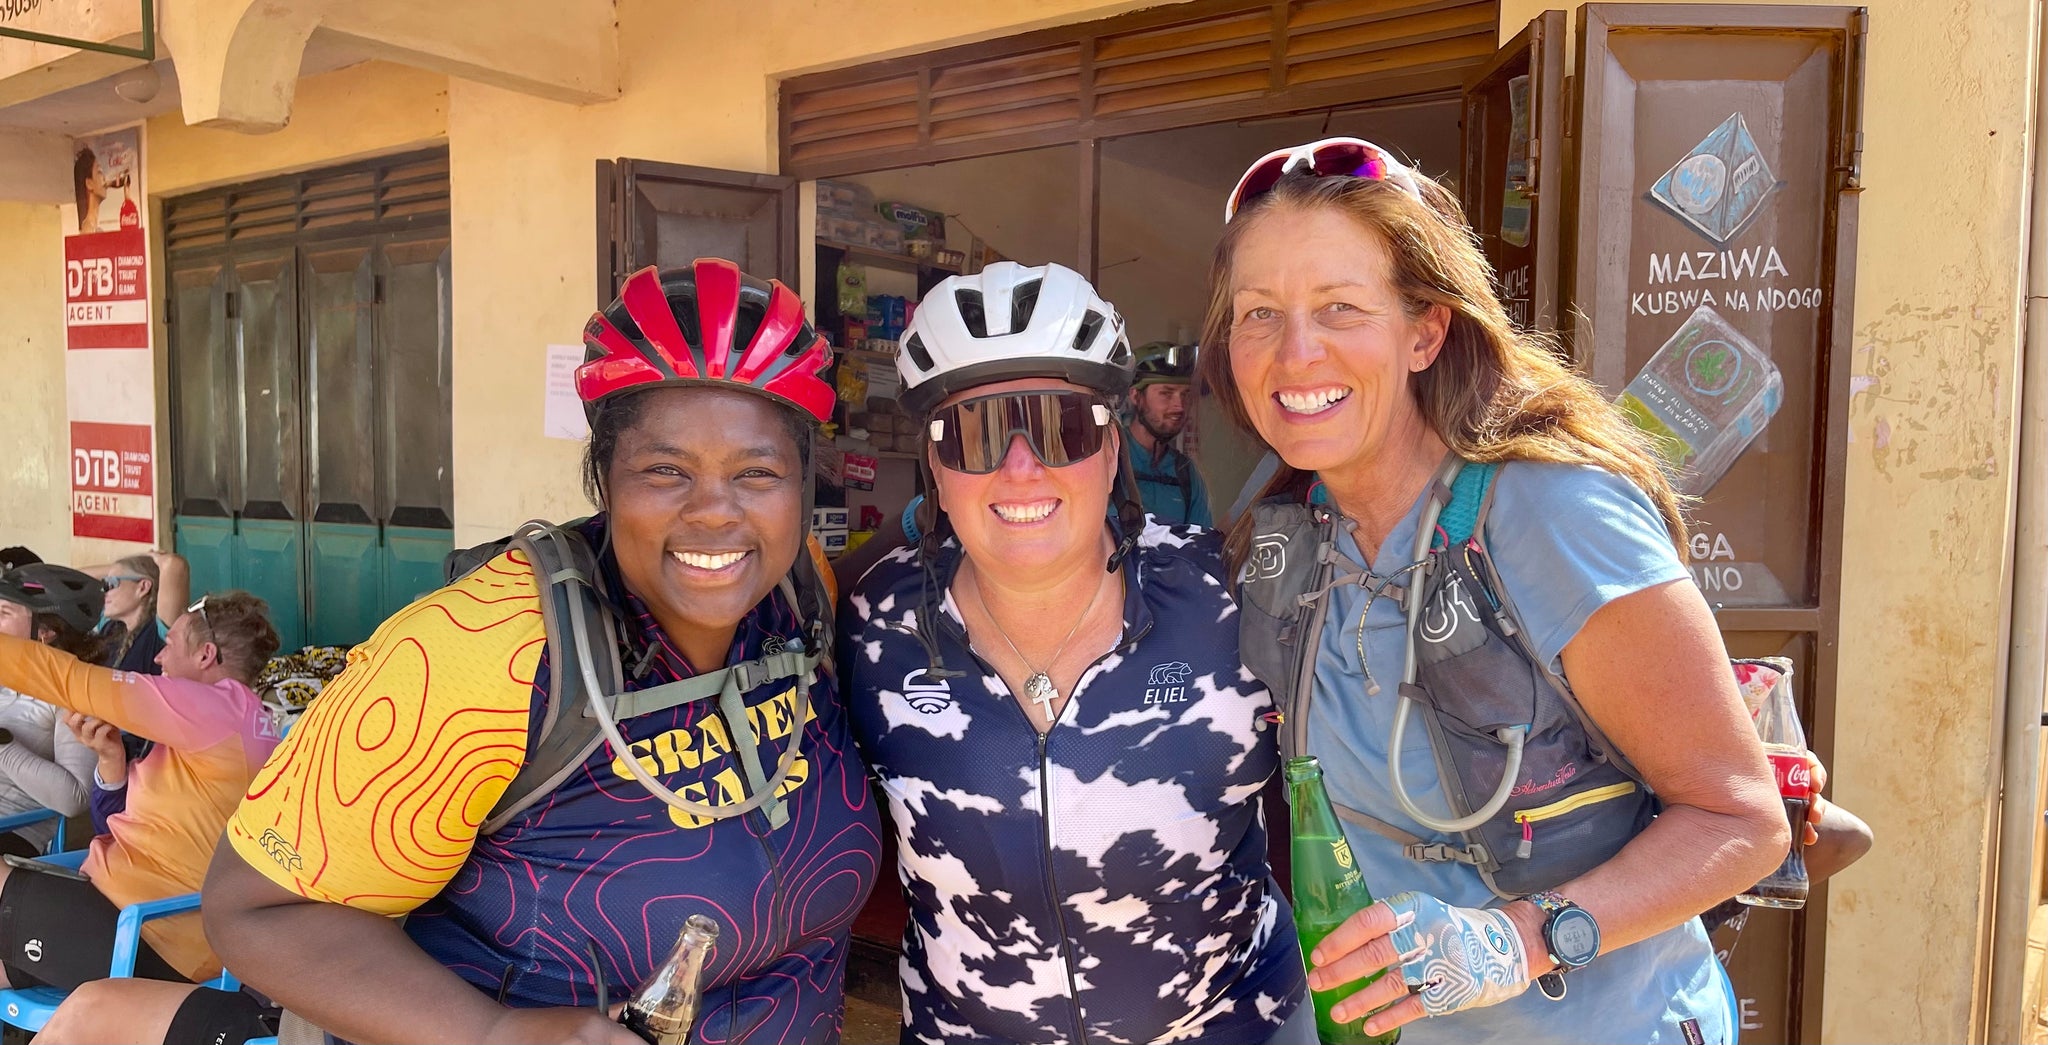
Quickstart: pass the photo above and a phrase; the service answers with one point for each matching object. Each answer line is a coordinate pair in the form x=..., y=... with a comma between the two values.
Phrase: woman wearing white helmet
x=1050, y=695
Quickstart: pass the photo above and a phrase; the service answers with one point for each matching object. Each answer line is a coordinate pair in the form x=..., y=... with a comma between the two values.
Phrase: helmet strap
x=934, y=529
x=1130, y=511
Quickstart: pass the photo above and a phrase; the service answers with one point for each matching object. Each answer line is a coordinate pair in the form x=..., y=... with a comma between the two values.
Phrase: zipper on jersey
x=1052, y=892
x=1045, y=822
x=1124, y=645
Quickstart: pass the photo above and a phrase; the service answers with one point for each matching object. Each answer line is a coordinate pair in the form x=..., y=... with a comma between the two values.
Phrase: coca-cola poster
x=106, y=182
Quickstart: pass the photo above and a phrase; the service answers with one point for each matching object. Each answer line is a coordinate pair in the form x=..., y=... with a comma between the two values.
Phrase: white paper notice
x=562, y=413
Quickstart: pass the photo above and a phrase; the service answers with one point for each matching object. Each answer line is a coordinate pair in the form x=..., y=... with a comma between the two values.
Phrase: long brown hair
x=1494, y=394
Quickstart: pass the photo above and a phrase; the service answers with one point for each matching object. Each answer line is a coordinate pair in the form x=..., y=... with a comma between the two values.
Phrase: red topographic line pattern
x=420, y=747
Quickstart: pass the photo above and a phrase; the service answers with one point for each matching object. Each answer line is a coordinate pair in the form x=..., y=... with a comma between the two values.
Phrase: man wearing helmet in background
x=1167, y=479
x=1047, y=686
x=747, y=805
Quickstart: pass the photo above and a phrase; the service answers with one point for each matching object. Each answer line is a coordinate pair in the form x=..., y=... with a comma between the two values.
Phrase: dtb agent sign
x=106, y=290
x=112, y=479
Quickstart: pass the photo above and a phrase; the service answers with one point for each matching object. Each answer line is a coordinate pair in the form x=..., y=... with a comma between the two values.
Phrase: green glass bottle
x=1328, y=888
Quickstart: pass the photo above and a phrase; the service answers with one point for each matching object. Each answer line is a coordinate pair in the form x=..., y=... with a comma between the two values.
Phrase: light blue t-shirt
x=1566, y=540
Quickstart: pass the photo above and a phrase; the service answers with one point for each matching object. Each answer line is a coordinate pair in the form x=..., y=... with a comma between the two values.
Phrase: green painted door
x=312, y=436
x=206, y=476
x=341, y=394
x=416, y=353
x=270, y=529
x=240, y=496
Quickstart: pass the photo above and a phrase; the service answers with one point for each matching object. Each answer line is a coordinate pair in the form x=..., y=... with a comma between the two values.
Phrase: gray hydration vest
x=581, y=633
x=1490, y=708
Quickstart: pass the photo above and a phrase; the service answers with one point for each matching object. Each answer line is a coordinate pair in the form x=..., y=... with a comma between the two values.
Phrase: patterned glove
x=1458, y=957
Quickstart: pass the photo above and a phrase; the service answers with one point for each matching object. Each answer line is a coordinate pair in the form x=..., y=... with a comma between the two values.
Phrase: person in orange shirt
x=212, y=734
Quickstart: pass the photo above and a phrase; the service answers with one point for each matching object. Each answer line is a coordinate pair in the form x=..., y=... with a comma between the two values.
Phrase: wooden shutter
x=396, y=192
x=1150, y=70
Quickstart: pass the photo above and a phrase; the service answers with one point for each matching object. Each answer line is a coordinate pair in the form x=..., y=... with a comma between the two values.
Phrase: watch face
x=1574, y=936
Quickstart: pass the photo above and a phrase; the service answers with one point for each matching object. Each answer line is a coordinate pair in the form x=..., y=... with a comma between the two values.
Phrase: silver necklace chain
x=1039, y=686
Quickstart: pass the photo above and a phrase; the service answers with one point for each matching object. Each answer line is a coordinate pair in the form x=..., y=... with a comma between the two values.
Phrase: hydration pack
x=1492, y=711
x=582, y=633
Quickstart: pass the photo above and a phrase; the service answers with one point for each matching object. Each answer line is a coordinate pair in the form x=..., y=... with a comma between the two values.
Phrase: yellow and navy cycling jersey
x=376, y=798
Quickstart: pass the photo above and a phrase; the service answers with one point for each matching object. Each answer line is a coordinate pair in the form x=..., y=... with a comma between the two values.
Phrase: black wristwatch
x=1570, y=934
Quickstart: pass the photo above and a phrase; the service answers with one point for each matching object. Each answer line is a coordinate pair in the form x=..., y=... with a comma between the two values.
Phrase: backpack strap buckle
x=1444, y=852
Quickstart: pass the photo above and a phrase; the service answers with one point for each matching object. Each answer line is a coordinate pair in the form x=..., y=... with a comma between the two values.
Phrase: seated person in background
x=42, y=765
x=211, y=735
x=145, y=595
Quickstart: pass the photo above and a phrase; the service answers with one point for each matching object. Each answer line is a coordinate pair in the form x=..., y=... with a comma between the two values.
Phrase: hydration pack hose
x=600, y=711
x=1512, y=736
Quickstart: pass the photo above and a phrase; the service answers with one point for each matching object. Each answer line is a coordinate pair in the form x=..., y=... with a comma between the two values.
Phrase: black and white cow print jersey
x=1106, y=882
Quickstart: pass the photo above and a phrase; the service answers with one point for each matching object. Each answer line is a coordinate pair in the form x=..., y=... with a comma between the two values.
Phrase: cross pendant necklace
x=1038, y=687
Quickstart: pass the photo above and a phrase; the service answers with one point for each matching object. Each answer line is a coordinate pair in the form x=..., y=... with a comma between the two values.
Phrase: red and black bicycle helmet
x=709, y=325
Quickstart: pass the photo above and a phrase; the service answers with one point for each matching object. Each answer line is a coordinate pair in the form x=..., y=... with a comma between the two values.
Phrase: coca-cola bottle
x=664, y=1007
x=1785, y=745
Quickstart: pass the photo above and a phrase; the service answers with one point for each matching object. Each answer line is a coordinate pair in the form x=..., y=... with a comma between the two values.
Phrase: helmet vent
x=1023, y=301
x=1091, y=325
x=973, y=311
x=918, y=355
x=745, y=326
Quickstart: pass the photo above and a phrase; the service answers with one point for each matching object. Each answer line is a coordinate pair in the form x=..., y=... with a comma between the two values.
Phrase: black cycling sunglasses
x=1060, y=427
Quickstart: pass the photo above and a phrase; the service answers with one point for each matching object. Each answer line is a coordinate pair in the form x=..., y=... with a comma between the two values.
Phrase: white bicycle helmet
x=1010, y=321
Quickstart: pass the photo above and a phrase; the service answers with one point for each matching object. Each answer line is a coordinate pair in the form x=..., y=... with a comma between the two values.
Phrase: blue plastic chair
x=36, y=816
x=30, y=1007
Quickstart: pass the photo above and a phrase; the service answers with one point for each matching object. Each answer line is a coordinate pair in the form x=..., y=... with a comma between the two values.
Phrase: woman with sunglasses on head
x=1354, y=329
x=211, y=733
x=1048, y=690
x=721, y=783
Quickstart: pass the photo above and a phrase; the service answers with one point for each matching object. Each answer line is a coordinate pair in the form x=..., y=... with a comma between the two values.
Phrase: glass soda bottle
x=1777, y=723
x=664, y=1007
x=1328, y=888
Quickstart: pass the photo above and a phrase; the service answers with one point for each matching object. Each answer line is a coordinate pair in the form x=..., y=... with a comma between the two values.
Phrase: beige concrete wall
x=369, y=109
x=35, y=443
x=1930, y=466
x=699, y=89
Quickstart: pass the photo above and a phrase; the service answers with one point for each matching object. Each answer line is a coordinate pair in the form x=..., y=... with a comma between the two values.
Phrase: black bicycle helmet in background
x=75, y=598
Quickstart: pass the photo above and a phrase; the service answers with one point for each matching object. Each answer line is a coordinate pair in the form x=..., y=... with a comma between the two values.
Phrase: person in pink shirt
x=212, y=734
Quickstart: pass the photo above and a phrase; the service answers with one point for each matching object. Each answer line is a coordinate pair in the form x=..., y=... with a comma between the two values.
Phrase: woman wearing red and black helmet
x=704, y=389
